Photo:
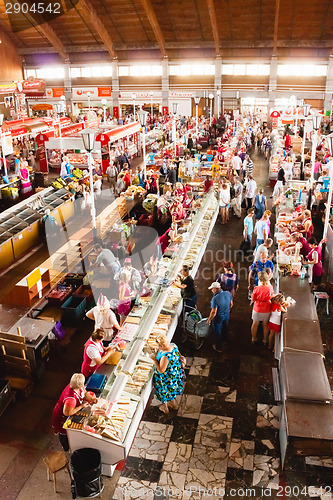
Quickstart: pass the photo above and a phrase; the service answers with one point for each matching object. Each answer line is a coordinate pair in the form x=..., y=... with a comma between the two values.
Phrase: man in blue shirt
x=263, y=264
x=221, y=304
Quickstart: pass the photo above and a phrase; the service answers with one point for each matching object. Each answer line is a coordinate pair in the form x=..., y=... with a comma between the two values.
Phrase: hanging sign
x=7, y=144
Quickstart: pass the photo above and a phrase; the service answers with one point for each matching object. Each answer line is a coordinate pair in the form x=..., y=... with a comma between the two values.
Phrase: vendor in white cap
x=221, y=304
x=104, y=318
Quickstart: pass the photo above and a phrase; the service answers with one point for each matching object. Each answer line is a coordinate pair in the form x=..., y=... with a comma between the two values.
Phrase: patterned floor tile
x=266, y=471
x=200, y=366
x=268, y=416
x=214, y=431
x=267, y=441
x=190, y=406
x=204, y=484
x=128, y=489
x=249, y=364
x=151, y=441
x=177, y=457
x=172, y=484
x=189, y=361
x=142, y=469
x=224, y=373
x=184, y=430
x=221, y=393
x=244, y=413
x=196, y=385
x=319, y=461
x=210, y=458
x=241, y=454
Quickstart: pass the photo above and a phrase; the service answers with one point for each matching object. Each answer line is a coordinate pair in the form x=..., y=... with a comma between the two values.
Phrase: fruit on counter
x=121, y=345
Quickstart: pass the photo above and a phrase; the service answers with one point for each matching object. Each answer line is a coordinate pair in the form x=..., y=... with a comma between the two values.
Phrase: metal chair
x=322, y=296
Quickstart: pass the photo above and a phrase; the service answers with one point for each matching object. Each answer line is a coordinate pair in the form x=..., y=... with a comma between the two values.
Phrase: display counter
x=129, y=384
x=306, y=429
x=301, y=382
x=20, y=224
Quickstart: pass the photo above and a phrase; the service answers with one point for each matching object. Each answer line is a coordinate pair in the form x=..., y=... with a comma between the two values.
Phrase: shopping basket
x=195, y=326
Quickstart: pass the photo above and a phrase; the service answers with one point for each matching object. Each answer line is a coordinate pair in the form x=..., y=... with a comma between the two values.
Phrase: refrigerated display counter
x=129, y=383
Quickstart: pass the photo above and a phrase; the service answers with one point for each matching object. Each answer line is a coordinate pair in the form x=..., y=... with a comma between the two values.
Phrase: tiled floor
x=221, y=442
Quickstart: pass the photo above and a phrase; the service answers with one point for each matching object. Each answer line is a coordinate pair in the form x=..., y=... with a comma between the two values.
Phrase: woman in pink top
x=261, y=298
x=125, y=294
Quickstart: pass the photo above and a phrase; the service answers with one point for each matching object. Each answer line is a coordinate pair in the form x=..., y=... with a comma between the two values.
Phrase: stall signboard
x=8, y=88
x=115, y=112
x=181, y=95
x=7, y=144
x=275, y=122
x=139, y=95
x=165, y=110
x=275, y=113
x=56, y=92
x=82, y=93
x=34, y=88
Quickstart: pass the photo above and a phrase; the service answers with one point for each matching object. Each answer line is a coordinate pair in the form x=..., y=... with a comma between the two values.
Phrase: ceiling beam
x=11, y=37
x=213, y=22
x=48, y=32
x=45, y=30
x=276, y=27
x=150, y=13
x=232, y=44
x=92, y=18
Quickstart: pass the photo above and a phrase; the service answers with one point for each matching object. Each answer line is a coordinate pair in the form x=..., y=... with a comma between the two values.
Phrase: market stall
x=129, y=382
x=20, y=225
x=301, y=379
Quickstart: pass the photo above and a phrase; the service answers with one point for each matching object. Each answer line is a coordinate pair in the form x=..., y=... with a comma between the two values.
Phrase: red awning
x=117, y=133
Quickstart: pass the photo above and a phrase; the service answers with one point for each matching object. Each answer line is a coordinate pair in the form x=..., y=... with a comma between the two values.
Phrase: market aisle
x=224, y=434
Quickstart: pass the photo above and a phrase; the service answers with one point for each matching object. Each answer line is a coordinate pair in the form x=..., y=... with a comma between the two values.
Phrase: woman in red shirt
x=73, y=398
x=261, y=298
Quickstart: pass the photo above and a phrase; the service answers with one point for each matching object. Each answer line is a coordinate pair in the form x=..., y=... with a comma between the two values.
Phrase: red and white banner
x=8, y=89
x=33, y=88
x=275, y=113
x=181, y=95
x=56, y=92
x=83, y=93
x=140, y=95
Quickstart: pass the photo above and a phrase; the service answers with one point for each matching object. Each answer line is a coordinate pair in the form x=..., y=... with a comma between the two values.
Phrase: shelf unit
x=30, y=289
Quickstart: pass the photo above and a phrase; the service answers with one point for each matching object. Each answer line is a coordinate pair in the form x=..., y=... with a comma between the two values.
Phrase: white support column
x=272, y=86
x=68, y=87
x=329, y=86
x=165, y=83
x=217, y=86
x=115, y=85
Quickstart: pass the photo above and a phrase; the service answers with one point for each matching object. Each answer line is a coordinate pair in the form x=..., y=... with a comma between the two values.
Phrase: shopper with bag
x=168, y=373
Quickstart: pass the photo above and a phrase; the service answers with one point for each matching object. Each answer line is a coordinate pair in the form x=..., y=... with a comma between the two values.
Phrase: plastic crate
x=84, y=291
x=73, y=310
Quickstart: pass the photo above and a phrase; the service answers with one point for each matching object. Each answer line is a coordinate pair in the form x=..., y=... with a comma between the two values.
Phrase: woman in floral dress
x=167, y=379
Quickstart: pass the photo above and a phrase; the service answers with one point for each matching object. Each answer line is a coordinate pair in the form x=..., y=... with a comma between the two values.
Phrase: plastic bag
x=59, y=331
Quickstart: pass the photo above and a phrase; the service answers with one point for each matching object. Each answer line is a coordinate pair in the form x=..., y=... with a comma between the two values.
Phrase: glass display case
x=129, y=383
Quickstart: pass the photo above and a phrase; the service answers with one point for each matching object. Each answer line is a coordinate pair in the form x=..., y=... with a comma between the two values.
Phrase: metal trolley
x=195, y=327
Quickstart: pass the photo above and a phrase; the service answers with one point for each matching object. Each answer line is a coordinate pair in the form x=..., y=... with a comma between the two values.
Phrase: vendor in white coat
x=104, y=318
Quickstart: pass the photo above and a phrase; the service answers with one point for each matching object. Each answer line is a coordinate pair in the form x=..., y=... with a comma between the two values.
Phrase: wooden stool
x=323, y=296
x=54, y=463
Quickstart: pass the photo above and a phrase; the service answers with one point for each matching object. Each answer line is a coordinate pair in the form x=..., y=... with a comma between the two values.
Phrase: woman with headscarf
x=104, y=318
